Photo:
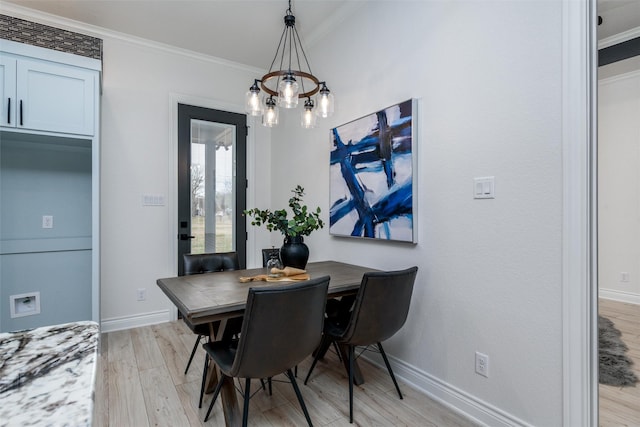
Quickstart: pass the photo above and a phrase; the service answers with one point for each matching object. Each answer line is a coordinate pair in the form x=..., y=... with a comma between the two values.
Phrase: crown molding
x=618, y=77
x=100, y=32
x=619, y=38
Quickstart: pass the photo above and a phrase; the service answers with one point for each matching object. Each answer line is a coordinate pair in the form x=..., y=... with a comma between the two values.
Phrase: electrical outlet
x=47, y=221
x=624, y=276
x=142, y=294
x=482, y=364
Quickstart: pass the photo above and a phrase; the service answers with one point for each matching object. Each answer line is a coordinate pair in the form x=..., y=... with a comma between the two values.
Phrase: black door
x=212, y=182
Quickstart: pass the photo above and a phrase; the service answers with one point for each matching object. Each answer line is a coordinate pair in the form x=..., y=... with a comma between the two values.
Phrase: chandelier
x=289, y=83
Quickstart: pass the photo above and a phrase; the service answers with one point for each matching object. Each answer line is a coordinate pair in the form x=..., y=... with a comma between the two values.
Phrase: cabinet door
x=55, y=97
x=7, y=91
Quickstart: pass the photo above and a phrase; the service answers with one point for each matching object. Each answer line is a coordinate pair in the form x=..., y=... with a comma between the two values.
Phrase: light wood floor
x=620, y=406
x=140, y=382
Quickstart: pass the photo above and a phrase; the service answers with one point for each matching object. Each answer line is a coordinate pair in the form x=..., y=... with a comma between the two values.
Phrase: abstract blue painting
x=372, y=170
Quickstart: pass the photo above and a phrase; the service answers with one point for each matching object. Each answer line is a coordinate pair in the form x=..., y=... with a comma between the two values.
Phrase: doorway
x=212, y=182
x=618, y=206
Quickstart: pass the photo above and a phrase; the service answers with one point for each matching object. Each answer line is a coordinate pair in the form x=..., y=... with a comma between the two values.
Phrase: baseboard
x=448, y=395
x=128, y=322
x=622, y=296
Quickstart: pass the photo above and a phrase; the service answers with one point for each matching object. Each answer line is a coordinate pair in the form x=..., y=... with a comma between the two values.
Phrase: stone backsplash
x=21, y=31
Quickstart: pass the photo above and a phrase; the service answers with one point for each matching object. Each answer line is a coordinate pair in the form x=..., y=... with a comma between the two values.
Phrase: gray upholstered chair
x=379, y=311
x=281, y=327
x=206, y=263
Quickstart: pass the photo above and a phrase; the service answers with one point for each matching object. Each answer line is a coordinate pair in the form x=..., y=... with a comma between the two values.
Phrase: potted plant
x=294, y=252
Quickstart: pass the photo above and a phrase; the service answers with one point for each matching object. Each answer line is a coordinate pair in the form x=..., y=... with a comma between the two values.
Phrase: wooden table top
x=203, y=298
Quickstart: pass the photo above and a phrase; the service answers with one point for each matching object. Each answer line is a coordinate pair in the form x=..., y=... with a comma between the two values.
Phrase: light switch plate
x=484, y=187
x=153, y=199
x=47, y=221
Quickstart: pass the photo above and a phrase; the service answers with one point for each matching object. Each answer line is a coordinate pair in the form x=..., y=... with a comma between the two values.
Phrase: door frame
x=579, y=214
x=186, y=114
x=172, y=168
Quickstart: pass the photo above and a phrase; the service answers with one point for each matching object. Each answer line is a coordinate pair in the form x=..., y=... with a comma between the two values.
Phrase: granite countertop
x=47, y=375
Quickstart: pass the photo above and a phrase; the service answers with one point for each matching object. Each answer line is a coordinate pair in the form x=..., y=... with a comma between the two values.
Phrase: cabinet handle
x=9, y=112
x=21, y=124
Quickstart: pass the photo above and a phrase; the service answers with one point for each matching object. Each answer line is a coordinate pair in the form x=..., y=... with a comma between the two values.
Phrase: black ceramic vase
x=294, y=253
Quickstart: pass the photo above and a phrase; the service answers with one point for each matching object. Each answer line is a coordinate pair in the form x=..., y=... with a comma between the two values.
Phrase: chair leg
x=313, y=365
x=193, y=353
x=351, y=384
x=268, y=382
x=247, y=396
x=322, y=348
x=318, y=354
x=335, y=347
x=216, y=392
x=204, y=379
x=294, y=384
x=386, y=362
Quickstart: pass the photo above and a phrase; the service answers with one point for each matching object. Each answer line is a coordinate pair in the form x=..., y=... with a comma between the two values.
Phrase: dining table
x=219, y=296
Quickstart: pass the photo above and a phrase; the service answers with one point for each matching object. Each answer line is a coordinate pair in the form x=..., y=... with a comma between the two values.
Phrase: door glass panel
x=213, y=196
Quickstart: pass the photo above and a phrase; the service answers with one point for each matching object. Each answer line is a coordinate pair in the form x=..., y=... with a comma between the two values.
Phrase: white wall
x=142, y=82
x=619, y=186
x=488, y=75
x=137, y=157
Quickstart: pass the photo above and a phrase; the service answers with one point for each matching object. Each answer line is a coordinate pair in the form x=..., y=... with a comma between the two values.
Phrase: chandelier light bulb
x=325, y=102
x=253, y=106
x=308, y=117
x=271, y=112
x=288, y=92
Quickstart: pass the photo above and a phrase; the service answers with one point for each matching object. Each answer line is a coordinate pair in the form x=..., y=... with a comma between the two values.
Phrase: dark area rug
x=615, y=366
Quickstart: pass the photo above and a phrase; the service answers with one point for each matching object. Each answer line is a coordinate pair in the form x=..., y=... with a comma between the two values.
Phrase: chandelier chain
x=290, y=46
x=278, y=50
x=304, y=55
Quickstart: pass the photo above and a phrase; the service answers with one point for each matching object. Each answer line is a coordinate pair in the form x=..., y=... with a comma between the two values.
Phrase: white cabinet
x=49, y=167
x=7, y=91
x=47, y=96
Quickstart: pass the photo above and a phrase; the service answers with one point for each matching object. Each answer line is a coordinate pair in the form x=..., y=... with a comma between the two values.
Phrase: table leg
x=230, y=407
x=215, y=331
x=358, y=379
x=212, y=379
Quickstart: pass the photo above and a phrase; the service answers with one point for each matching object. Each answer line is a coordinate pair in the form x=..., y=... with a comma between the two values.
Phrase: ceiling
x=246, y=31
x=243, y=31
x=618, y=16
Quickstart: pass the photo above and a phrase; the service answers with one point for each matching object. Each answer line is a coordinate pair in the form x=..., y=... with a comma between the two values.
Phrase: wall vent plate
x=24, y=304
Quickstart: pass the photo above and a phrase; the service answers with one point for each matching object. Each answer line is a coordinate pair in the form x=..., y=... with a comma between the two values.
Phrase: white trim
x=99, y=32
x=452, y=397
x=579, y=265
x=614, y=79
x=612, y=294
x=619, y=38
x=136, y=321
